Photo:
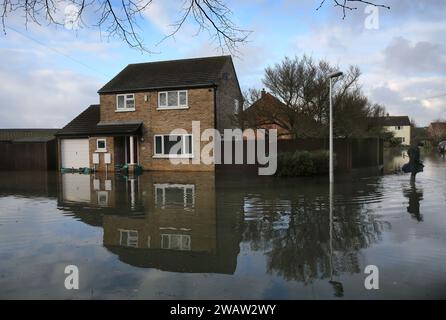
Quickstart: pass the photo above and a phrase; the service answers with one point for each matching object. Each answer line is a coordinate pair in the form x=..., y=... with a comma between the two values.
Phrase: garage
x=74, y=153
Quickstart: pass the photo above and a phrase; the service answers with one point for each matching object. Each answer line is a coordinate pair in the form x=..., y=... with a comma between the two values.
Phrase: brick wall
x=201, y=108
x=228, y=90
x=110, y=149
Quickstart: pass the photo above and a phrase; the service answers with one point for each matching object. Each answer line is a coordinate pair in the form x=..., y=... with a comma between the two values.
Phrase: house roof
x=27, y=135
x=438, y=125
x=267, y=102
x=87, y=123
x=388, y=121
x=197, y=72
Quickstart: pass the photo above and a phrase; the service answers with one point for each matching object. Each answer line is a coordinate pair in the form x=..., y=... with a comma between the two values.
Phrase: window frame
x=167, y=244
x=178, y=106
x=161, y=203
x=125, y=109
x=182, y=155
x=131, y=242
x=97, y=145
x=236, y=106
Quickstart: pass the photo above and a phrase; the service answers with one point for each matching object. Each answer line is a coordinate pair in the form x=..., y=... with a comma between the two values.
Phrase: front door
x=131, y=149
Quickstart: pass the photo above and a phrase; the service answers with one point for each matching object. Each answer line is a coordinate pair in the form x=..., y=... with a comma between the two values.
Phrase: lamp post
x=337, y=286
x=331, y=76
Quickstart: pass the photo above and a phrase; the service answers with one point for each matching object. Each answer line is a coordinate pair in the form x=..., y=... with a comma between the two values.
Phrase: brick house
x=268, y=112
x=437, y=131
x=141, y=106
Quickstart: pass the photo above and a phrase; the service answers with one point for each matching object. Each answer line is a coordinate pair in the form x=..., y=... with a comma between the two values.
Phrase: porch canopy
x=87, y=124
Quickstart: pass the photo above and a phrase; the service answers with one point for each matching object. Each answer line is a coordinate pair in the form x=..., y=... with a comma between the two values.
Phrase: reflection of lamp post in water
x=331, y=76
x=337, y=286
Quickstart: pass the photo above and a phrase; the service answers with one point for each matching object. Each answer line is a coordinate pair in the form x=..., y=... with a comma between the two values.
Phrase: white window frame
x=164, y=186
x=105, y=145
x=236, y=106
x=131, y=241
x=163, y=155
x=169, y=237
x=178, y=106
x=125, y=109
x=101, y=195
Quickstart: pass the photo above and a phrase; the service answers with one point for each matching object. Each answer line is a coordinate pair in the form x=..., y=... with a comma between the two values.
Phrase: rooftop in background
x=167, y=74
x=266, y=102
x=438, y=124
x=389, y=121
x=87, y=123
x=27, y=135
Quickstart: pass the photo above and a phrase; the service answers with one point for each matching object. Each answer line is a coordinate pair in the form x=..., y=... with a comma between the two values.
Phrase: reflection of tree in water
x=295, y=233
x=414, y=195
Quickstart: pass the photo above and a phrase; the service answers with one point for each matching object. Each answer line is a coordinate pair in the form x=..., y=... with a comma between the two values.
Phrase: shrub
x=302, y=163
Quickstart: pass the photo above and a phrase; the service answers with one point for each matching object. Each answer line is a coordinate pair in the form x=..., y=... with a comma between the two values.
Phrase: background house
x=266, y=113
x=437, y=131
x=400, y=127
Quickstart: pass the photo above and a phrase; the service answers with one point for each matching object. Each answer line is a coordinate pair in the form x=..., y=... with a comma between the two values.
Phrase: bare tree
x=119, y=19
x=301, y=86
x=350, y=5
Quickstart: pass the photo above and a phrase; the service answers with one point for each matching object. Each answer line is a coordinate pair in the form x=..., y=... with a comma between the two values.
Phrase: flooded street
x=225, y=236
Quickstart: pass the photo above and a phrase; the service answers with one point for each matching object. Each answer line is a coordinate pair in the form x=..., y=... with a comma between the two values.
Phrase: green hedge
x=302, y=163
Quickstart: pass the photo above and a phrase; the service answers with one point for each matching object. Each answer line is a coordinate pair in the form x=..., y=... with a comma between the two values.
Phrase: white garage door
x=75, y=153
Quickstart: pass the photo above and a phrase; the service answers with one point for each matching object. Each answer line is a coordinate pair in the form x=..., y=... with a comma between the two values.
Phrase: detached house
x=141, y=106
x=399, y=126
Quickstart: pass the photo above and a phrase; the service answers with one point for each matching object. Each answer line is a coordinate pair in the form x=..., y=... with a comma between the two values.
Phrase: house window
x=175, y=196
x=172, y=99
x=103, y=198
x=172, y=146
x=128, y=238
x=101, y=145
x=125, y=102
x=236, y=106
x=397, y=127
x=175, y=242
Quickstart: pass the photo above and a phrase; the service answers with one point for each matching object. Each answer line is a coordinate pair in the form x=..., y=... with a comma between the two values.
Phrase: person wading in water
x=415, y=164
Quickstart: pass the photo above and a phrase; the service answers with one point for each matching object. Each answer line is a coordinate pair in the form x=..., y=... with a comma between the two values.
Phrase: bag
x=406, y=168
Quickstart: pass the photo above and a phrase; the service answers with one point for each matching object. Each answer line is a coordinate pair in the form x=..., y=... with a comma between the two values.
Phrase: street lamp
x=331, y=76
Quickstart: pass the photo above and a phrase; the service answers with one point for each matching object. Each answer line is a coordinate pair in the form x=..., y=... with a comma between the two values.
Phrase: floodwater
x=227, y=235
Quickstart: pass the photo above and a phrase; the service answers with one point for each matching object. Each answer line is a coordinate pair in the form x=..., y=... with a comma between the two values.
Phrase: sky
x=50, y=74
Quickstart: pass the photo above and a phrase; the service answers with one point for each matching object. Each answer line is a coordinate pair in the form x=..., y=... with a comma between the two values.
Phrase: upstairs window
x=172, y=99
x=125, y=102
x=176, y=242
x=128, y=238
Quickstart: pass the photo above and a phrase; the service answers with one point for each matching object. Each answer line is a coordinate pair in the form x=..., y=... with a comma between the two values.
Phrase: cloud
x=158, y=14
x=33, y=96
x=412, y=97
x=405, y=57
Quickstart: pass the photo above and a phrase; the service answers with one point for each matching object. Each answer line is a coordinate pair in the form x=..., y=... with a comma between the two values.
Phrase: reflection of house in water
x=158, y=220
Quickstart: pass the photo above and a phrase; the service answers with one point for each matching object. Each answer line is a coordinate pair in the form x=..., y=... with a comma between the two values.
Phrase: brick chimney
x=263, y=92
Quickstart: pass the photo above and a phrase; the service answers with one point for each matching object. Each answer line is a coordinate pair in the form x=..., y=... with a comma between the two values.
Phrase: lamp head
x=335, y=74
